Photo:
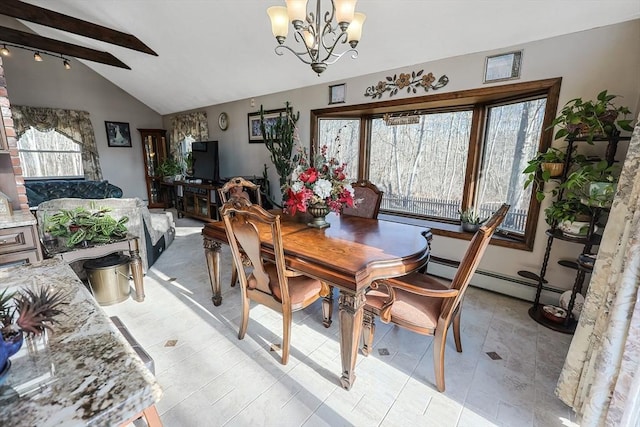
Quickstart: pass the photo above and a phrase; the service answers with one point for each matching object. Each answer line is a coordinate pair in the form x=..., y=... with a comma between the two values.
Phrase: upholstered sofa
x=42, y=191
x=155, y=230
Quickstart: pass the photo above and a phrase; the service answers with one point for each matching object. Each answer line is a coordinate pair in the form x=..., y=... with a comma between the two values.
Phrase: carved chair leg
x=246, y=304
x=152, y=417
x=368, y=330
x=327, y=306
x=439, y=345
x=456, y=331
x=286, y=335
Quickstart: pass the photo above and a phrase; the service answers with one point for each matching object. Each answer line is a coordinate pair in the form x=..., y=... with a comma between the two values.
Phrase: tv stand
x=197, y=200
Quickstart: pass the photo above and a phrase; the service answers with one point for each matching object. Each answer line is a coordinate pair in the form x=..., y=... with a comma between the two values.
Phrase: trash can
x=109, y=278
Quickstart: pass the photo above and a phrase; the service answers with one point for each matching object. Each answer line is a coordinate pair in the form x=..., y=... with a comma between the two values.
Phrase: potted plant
x=27, y=312
x=594, y=182
x=590, y=119
x=188, y=163
x=542, y=168
x=169, y=168
x=83, y=226
x=279, y=138
x=470, y=220
x=569, y=215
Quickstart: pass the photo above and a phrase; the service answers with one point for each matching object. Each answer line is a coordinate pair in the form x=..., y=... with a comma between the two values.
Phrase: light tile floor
x=211, y=378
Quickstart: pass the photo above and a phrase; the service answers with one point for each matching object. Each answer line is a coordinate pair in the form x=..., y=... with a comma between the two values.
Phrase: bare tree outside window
x=49, y=154
x=421, y=167
x=342, y=138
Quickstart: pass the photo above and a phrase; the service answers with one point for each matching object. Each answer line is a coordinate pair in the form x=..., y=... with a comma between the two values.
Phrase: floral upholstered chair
x=367, y=197
x=270, y=284
x=423, y=304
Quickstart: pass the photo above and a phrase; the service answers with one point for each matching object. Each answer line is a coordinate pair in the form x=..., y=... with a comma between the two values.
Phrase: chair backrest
x=367, y=197
x=471, y=259
x=245, y=224
x=236, y=187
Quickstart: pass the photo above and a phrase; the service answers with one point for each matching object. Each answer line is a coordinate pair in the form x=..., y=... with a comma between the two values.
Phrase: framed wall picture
x=337, y=93
x=253, y=121
x=505, y=66
x=118, y=134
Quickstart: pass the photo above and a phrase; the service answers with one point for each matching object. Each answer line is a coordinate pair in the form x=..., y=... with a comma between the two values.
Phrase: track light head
x=66, y=64
x=4, y=51
x=37, y=57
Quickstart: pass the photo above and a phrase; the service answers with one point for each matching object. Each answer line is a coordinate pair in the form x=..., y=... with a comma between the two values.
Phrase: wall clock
x=223, y=121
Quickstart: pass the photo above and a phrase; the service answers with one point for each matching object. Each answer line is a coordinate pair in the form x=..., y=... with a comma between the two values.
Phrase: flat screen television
x=206, y=163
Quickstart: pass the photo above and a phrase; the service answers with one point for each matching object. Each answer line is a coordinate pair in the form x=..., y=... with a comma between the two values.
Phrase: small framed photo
x=253, y=121
x=505, y=66
x=337, y=93
x=118, y=134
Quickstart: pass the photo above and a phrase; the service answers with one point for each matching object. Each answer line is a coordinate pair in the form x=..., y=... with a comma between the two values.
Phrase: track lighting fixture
x=37, y=54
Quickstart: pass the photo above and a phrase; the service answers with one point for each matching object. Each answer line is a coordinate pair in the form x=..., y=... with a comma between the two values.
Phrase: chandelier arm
x=300, y=39
x=298, y=54
x=336, y=56
x=331, y=48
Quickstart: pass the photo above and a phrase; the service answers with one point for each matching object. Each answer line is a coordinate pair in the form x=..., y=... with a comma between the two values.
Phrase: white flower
x=349, y=188
x=296, y=173
x=322, y=188
x=297, y=186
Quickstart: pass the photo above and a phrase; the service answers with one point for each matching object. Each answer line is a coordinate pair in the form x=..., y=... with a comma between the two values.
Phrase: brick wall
x=5, y=106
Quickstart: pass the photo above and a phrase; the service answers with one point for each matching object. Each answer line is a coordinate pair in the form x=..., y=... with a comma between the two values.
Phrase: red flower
x=309, y=176
x=297, y=201
x=346, y=198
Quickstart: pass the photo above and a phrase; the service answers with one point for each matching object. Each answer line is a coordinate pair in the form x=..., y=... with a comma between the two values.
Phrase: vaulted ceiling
x=217, y=51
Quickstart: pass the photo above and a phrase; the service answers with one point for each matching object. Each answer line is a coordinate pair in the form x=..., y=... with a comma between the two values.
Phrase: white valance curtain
x=601, y=375
x=73, y=124
x=186, y=125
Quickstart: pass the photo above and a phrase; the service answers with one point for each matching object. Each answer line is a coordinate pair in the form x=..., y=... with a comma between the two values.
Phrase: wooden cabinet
x=154, y=152
x=19, y=244
x=197, y=200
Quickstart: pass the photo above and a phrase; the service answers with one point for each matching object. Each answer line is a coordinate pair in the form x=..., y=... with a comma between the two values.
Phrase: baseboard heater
x=500, y=283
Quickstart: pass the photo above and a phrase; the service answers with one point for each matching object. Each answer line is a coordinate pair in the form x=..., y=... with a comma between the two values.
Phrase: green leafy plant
x=593, y=182
x=188, y=162
x=542, y=168
x=279, y=138
x=590, y=119
x=81, y=225
x=568, y=209
x=169, y=167
x=470, y=216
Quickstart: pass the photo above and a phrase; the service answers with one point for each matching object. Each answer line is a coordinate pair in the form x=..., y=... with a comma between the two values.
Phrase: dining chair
x=368, y=198
x=269, y=283
x=237, y=187
x=423, y=304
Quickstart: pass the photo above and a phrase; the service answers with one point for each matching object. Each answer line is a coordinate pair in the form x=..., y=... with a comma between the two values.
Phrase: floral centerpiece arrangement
x=318, y=187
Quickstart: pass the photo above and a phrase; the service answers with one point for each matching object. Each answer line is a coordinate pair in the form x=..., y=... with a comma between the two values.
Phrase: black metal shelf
x=567, y=327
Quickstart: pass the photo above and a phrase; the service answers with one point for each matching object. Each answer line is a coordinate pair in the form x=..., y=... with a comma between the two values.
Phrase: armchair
x=423, y=304
x=270, y=284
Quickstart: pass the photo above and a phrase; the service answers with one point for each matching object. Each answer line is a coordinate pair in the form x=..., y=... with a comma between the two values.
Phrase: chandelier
x=319, y=37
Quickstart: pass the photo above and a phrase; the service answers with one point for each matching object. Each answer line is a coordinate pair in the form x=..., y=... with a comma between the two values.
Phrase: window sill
x=455, y=231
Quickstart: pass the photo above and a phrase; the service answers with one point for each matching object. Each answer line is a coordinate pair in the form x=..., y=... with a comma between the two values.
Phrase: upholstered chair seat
x=409, y=309
x=302, y=289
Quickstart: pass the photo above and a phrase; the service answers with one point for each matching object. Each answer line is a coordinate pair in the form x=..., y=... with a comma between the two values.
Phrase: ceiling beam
x=60, y=21
x=35, y=41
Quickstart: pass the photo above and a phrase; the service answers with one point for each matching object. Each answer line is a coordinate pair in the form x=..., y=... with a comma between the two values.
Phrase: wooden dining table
x=350, y=255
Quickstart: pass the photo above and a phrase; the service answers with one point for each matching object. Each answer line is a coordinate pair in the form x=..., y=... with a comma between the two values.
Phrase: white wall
x=48, y=84
x=588, y=62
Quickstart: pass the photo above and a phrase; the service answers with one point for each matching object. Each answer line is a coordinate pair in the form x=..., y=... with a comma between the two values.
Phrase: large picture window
x=435, y=155
x=49, y=155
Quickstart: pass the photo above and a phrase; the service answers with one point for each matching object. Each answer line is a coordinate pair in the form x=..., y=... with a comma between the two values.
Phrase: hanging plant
x=412, y=82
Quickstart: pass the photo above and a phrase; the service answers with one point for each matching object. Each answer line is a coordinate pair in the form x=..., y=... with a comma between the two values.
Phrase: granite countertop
x=92, y=375
x=18, y=219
